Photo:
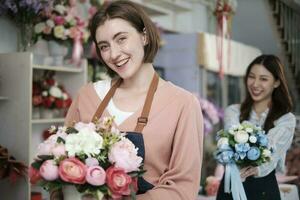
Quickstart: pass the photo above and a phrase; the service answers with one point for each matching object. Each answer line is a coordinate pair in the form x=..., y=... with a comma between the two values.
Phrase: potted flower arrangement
x=24, y=13
x=37, y=100
x=62, y=27
x=55, y=99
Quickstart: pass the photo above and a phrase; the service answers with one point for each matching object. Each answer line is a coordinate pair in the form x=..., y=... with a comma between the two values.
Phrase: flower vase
x=58, y=113
x=57, y=51
x=47, y=113
x=25, y=36
x=36, y=113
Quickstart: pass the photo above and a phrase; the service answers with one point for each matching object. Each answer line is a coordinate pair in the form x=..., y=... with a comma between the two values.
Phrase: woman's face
x=121, y=46
x=261, y=83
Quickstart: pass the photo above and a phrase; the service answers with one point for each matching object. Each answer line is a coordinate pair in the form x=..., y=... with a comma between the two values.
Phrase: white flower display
x=124, y=155
x=55, y=91
x=222, y=141
x=249, y=130
x=85, y=141
x=241, y=136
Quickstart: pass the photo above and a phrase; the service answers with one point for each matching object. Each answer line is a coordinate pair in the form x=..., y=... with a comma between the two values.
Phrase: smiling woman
x=267, y=104
x=162, y=120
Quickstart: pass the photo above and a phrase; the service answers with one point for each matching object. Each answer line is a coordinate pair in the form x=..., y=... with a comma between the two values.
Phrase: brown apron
x=136, y=136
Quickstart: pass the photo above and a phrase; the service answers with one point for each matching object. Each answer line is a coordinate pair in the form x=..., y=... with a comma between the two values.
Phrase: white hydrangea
x=241, y=136
x=85, y=141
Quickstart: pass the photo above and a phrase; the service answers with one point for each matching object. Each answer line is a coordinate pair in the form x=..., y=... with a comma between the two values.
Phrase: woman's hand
x=248, y=171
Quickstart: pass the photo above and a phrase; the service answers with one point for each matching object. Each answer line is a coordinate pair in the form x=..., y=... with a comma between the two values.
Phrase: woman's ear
x=145, y=37
x=276, y=84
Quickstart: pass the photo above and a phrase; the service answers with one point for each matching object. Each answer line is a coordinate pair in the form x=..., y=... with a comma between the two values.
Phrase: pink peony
x=118, y=182
x=80, y=125
x=34, y=175
x=59, y=150
x=59, y=20
x=49, y=170
x=95, y=175
x=124, y=155
x=72, y=170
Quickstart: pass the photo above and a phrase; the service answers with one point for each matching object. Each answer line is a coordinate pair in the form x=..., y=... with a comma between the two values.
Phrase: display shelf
x=71, y=69
x=20, y=133
x=47, y=121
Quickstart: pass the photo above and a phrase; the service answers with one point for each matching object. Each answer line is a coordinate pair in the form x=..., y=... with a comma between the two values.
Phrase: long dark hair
x=281, y=99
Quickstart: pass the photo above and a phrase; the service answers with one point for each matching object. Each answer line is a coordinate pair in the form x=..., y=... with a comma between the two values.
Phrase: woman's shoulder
x=286, y=119
x=178, y=93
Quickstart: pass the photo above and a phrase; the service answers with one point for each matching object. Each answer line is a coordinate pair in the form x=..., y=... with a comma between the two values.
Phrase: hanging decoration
x=224, y=10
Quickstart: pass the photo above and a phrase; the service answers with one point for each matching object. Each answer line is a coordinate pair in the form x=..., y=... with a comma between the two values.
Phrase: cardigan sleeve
x=280, y=139
x=73, y=112
x=182, y=179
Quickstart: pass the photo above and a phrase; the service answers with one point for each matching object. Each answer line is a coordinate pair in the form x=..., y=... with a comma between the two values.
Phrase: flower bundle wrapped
x=241, y=145
x=94, y=157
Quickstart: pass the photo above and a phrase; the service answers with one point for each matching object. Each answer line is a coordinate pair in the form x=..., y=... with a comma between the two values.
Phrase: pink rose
x=59, y=20
x=72, y=170
x=34, y=175
x=49, y=171
x=123, y=154
x=95, y=175
x=118, y=182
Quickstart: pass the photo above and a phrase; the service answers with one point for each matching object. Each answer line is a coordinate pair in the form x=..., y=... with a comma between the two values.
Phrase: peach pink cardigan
x=173, y=139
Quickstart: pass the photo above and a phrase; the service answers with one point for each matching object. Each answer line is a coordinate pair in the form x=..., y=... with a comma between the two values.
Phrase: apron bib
x=136, y=136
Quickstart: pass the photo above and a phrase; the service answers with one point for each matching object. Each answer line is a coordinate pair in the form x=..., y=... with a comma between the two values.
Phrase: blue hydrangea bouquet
x=241, y=145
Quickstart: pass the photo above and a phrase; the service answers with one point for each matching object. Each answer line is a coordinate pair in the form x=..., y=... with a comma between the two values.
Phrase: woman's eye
x=103, y=48
x=121, y=39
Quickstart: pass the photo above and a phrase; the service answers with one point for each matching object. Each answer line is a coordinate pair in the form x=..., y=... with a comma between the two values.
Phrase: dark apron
x=136, y=136
x=262, y=188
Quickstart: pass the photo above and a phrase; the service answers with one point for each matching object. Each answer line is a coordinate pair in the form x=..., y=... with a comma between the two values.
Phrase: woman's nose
x=114, y=52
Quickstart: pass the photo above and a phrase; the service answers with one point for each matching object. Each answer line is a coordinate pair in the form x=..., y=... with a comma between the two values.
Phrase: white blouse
x=102, y=87
x=280, y=136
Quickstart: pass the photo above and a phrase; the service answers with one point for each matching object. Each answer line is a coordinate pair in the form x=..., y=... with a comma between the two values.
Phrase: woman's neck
x=260, y=107
x=141, y=80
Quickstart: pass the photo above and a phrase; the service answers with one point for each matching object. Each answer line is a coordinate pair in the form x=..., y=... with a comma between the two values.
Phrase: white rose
x=38, y=28
x=241, y=136
x=252, y=139
x=60, y=9
x=222, y=141
x=50, y=23
x=44, y=93
x=266, y=153
x=59, y=32
x=55, y=92
x=231, y=131
x=124, y=155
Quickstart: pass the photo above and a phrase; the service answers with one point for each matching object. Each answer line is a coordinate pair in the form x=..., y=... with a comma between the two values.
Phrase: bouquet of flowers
x=94, y=157
x=241, y=145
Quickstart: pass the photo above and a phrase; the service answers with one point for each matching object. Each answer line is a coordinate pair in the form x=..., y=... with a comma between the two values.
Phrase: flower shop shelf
x=71, y=68
x=20, y=132
x=47, y=121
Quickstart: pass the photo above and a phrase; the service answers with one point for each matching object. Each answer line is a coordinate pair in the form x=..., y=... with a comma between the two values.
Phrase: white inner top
x=102, y=87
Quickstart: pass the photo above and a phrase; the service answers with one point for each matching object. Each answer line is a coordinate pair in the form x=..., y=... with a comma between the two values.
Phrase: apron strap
x=143, y=119
x=106, y=100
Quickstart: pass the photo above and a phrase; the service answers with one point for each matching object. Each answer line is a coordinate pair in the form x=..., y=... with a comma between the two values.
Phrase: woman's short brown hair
x=136, y=16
